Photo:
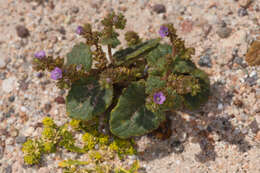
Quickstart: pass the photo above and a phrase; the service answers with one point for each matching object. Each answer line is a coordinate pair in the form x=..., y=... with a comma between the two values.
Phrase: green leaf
x=136, y=51
x=182, y=66
x=154, y=82
x=156, y=58
x=130, y=117
x=114, y=42
x=68, y=163
x=87, y=99
x=80, y=54
x=194, y=102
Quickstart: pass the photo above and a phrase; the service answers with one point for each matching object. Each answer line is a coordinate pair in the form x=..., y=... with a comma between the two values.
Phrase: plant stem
x=110, y=54
x=173, y=50
x=173, y=47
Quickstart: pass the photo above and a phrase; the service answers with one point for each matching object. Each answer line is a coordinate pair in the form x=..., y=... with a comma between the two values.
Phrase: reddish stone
x=186, y=26
x=60, y=100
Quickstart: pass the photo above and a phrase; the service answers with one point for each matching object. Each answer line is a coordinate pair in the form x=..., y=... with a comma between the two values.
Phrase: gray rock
x=74, y=9
x=224, y=32
x=159, y=8
x=252, y=78
x=205, y=61
x=11, y=98
x=242, y=12
x=238, y=60
x=177, y=146
x=20, y=139
x=3, y=76
x=62, y=92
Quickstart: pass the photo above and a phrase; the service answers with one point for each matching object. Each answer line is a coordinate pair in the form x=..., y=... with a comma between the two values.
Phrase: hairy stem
x=110, y=54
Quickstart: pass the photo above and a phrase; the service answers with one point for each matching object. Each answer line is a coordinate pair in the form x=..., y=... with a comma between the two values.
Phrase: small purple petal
x=159, y=98
x=79, y=30
x=56, y=73
x=163, y=31
x=41, y=54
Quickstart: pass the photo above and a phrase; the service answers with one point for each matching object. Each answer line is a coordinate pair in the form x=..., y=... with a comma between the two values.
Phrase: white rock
x=9, y=84
x=28, y=131
x=220, y=106
x=23, y=109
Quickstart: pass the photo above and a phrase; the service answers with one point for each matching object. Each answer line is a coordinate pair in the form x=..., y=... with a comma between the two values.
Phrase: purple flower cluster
x=79, y=30
x=163, y=31
x=56, y=73
x=41, y=54
x=159, y=98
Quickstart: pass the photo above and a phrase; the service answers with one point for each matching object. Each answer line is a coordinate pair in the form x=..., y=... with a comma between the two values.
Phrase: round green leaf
x=80, y=54
x=88, y=99
x=130, y=117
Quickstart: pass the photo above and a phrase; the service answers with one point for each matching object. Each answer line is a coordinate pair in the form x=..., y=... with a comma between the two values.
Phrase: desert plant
x=133, y=87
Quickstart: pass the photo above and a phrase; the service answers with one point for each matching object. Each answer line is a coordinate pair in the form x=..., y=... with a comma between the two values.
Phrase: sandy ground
x=223, y=136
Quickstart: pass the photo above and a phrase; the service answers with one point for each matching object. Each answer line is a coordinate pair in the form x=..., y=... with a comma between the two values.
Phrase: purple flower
x=163, y=31
x=159, y=98
x=79, y=30
x=41, y=54
x=56, y=73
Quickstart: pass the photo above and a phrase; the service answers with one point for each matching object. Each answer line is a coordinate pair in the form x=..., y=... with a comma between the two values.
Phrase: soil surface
x=223, y=136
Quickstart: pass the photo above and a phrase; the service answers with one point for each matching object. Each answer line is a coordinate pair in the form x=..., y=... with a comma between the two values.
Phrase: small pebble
x=252, y=78
x=22, y=31
x=39, y=75
x=238, y=60
x=2, y=61
x=224, y=32
x=60, y=100
x=14, y=132
x=242, y=12
x=62, y=92
x=205, y=61
x=3, y=76
x=132, y=157
x=74, y=9
x=20, y=139
x=96, y=147
x=47, y=107
x=159, y=8
x=177, y=146
x=11, y=98
x=9, y=84
x=220, y=106
x=62, y=30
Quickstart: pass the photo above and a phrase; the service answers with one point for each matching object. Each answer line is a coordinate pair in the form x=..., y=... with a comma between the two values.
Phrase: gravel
x=27, y=27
